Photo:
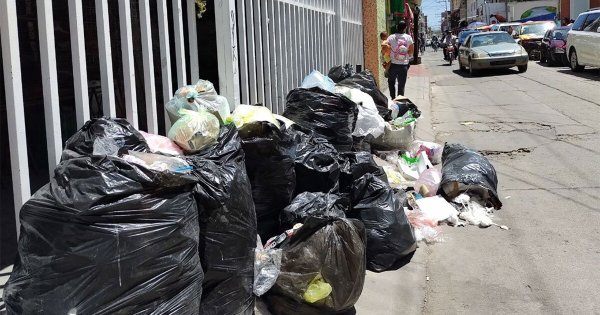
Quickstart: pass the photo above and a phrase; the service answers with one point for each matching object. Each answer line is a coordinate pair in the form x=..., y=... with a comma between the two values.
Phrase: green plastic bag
x=317, y=289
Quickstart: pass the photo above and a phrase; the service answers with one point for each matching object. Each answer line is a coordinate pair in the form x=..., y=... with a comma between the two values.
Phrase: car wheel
x=472, y=71
x=543, y=57
x=574, y=61
x=522, y=68
x=552, y=59
x=461, y=67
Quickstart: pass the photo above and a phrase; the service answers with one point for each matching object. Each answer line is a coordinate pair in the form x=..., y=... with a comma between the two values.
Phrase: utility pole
x=506, y=9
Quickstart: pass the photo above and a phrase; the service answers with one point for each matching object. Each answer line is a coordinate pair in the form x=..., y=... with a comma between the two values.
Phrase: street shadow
x=588, y=73
x=547, y=65
x=486, y=73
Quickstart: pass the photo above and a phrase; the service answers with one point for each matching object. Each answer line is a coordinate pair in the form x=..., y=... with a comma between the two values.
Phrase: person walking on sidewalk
x=402, y=47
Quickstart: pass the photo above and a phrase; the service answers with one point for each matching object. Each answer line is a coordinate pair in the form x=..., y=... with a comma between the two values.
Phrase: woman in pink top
x=402, y=47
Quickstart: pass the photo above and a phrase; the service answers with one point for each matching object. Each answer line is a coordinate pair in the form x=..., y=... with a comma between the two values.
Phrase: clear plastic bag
x=196, y=97
x=317, y=79
x=195, y=130
x=158, y=162
x=267, y=265
x=158, y=143
x=428, y=182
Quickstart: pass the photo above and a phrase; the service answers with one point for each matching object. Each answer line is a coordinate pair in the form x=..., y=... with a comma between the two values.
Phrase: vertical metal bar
x=267, y=52
x=193, y=40
x=179, y=42
x=243, y=52
x=15, y=113
x=252, y=68
x=165, y=57
x=106, y=72
x=292, y=71
x=50, y=84
x=128, y=66
x=304, y=42
x=147, y=56
x=286, y=48
x=82, y=103
x=260, y=80
x=338, y=33
x=279, y=42
x=227, y=56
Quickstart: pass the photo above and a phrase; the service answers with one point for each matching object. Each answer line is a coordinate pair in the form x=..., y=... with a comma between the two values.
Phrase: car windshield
x=491, y=39
x=537, y=29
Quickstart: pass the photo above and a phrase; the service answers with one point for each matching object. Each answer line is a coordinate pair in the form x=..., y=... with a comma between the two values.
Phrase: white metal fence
x=13, y=82
x=280, y=41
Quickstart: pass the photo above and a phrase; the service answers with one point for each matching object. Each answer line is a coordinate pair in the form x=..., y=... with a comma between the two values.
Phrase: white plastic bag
x=369, y=121
x=317, y=79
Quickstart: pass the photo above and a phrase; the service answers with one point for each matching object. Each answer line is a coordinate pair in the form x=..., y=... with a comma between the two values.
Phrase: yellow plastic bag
x=317, y=289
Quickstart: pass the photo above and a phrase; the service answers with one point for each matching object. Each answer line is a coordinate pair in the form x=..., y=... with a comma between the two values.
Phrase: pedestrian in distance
x=402, y=47
x=385, y=53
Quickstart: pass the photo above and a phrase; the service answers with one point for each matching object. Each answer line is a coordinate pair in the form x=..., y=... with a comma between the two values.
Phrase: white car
x=583, y=41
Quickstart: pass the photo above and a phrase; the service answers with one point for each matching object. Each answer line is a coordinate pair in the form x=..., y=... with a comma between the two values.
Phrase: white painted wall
x=577, y=7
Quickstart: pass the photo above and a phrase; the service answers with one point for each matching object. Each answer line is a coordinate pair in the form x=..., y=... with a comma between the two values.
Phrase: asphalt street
x=540, y=129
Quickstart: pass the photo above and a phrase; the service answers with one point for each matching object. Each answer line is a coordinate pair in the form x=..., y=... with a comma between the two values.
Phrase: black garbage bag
x=270, y=167
x=468, y=171
x=330, y=250
x=390, y=238
x=365, y=82
x=339, y=73
x=101, y=135
x=354, y=165
x=310, y=204
x=404, y=106
x=108, y=237
x=316, y=166
x=227, y=226
x=331, y=116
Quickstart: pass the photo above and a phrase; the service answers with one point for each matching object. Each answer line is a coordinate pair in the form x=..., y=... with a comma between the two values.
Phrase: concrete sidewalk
x=403, y=291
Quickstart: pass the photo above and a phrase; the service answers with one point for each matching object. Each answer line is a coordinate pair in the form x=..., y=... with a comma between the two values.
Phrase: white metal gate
x=13, y=81
x=281, y=41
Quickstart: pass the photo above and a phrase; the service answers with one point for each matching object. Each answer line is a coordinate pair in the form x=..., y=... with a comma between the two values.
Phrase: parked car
x=491, y=50
x=583, y=41
x=554, y=45
x=504, y=27
x=463, y=35
x=531, y=34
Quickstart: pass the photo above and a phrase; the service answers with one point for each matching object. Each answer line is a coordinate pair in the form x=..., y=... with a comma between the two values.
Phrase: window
x=578, y=25
x=590, y=20
x=468, y=42
x=593, y=25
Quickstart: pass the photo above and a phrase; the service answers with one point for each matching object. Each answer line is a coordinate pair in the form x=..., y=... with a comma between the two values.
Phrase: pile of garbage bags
x=234, y=205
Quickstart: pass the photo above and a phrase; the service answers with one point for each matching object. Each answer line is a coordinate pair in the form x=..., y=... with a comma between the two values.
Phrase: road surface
x=540, y=129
